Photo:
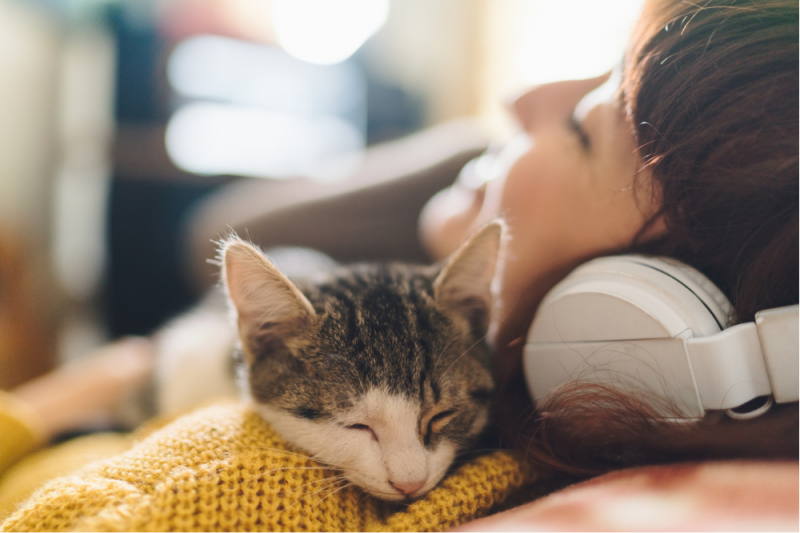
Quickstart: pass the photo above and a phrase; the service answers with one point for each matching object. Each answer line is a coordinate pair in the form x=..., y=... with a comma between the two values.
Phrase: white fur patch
x=395, y=457
x=194, y=361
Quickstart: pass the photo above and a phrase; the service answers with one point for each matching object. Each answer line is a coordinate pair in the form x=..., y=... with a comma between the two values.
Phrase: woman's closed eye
x=577, y=128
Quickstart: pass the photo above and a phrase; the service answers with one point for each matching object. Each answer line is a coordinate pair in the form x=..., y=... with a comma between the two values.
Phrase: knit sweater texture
x=223, y=468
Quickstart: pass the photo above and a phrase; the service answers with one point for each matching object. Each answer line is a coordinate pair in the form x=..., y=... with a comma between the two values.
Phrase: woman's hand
x=81, y=393
x=448, y=219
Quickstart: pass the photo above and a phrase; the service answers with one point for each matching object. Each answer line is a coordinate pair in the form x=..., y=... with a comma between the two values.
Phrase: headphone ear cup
x=630, y=297
x=624, y=321
x=695, y=282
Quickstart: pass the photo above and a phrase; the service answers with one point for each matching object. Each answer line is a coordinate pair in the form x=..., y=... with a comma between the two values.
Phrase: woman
x=689, y=150
x=690, y=153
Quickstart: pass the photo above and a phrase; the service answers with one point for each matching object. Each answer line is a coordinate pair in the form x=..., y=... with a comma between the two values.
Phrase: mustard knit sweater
x=222, y=468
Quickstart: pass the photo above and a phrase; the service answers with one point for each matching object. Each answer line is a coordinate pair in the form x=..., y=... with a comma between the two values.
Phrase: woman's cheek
x=533, y=203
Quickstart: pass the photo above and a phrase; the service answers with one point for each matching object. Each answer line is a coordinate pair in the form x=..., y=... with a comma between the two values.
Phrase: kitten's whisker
x=469, y=458
x=266, y=448
x=465, y=352
x=332, y=478
x=441, y=358
x=331, y=494
x=443, y=350
x=288, y=506
x=298, y=468
x=278, y=468
x=375, y=491
x=477, y=451
x=364, y=495
x=263, y=475
x=462, y=462
x=441, y=474
x=381, y=492
x=326, y=487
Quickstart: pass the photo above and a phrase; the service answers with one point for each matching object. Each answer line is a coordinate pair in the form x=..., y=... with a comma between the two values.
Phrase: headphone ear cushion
x=694, y=280
x=711, y=290
x=630, y=297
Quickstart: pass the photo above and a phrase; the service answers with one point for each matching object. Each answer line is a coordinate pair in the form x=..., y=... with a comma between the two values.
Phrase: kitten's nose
x=408, y=488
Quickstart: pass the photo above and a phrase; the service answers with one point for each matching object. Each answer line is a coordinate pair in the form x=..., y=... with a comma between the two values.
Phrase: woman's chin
x=448, y=218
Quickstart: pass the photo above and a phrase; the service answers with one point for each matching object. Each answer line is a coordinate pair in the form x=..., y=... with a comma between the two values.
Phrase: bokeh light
x=573, y=39
x=327, y=31
x=212, y=138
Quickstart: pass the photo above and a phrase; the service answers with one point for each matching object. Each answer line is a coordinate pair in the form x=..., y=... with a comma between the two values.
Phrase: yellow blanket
x=224, y=468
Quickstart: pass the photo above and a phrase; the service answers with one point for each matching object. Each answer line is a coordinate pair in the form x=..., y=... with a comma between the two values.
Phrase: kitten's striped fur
x=379, y=370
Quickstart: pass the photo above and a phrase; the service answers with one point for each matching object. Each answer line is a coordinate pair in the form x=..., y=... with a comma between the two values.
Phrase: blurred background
x=118, y=117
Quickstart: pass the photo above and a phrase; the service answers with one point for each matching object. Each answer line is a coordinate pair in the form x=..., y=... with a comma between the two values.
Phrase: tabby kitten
x=379, y=370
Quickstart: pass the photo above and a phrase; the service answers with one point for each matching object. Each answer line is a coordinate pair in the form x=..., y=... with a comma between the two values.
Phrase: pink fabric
x=720, y=496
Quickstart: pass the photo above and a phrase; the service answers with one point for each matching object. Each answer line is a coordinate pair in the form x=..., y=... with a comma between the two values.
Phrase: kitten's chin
x=439, y=462
x=393, y=496
x=382, y=491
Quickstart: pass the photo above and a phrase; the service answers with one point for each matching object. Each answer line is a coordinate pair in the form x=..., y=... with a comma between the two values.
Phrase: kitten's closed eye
x=436, y=423
x=363, y=427
x=481, y=395
x=307, y=412
x=437, y=420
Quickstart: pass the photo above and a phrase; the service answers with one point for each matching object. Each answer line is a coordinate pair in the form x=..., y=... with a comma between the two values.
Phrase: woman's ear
x=464, y=285
x=269, y=308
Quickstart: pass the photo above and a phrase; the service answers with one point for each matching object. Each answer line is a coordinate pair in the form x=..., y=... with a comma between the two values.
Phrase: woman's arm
x=77, y=394
x=722, y=496
x=370, y=216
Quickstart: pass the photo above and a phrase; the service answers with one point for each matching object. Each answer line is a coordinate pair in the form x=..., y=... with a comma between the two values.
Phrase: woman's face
x=564, y=185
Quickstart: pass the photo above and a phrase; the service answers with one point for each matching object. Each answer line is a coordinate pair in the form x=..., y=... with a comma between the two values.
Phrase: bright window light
x=573, y=39
x=327, y=31
x=228, y=70
x=210, y=138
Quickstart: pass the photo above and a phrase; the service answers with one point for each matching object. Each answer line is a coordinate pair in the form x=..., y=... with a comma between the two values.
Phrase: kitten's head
x=381, y=371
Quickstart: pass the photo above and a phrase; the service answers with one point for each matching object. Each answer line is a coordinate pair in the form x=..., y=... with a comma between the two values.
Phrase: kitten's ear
x=268, y=305
x=465, y=283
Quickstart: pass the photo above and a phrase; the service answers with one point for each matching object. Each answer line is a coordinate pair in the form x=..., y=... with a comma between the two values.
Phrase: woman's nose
x=551, y=100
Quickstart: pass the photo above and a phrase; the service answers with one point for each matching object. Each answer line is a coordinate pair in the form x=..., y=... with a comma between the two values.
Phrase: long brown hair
x=713, y=92
x=712, y=89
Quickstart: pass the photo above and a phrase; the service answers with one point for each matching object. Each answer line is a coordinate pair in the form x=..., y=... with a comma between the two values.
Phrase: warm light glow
x=228, y=70
x=206, y=138
x=263, y=113
x=573, y=39
x=327, y=31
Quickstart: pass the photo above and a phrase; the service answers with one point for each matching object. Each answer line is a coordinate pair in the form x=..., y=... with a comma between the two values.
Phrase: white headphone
x=656, y=327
